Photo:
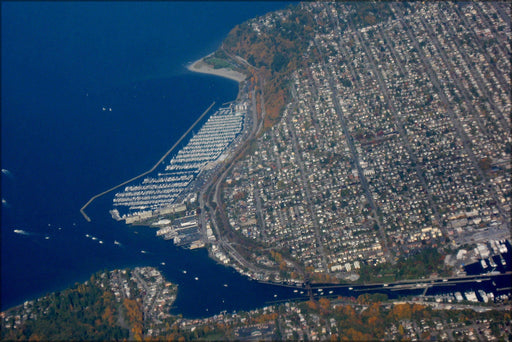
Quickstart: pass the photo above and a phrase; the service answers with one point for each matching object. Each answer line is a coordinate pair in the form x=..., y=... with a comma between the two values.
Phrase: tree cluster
x=84, y=312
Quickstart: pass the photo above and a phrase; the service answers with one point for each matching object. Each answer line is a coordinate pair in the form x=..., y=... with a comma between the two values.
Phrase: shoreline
x=201, y=67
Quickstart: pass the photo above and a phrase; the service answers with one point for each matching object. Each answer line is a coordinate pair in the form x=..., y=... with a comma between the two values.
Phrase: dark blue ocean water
x=62, y=62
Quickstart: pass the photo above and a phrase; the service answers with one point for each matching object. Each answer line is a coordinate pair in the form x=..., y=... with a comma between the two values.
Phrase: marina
x=204, y=150
x=105, y=148
x=163, y=199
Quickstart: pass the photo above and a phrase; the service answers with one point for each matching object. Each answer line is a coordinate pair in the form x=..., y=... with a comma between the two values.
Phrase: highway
x=413, y=284
x=207, y=197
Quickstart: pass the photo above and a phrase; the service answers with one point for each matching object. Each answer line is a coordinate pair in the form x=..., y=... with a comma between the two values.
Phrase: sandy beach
x=201, y=66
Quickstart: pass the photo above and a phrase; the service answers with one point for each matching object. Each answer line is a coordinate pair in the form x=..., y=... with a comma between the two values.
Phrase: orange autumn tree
x=134, y=313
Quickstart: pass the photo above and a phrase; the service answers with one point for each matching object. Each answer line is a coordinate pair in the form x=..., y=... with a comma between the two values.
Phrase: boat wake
x=5, y=204
x=7, y=173
x=21, y=231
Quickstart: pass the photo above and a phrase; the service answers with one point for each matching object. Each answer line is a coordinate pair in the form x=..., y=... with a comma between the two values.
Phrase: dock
x=205, y=150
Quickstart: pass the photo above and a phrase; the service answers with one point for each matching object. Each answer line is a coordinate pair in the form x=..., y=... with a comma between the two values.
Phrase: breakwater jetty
x=82, y=210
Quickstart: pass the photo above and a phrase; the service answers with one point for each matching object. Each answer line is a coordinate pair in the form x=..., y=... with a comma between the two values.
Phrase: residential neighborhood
x=398, y=137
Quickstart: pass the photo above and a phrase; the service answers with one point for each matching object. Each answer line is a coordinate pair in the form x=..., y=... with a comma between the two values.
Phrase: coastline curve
x=201, y=67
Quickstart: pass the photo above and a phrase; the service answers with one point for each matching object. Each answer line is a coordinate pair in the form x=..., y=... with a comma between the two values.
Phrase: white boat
x=502, y=248
x=196, y=278
x=116, y=242
x=100, y=241
x=483, y=295
x=471, y=296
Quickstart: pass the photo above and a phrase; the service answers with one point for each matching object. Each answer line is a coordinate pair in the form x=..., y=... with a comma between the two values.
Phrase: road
x=455, y=122
x=305, y=184
x=476, y=75
x=497, y=73
x=147, y=307
x=400, y=126
x=354, y=153
x=212, y=193
x=411, y=284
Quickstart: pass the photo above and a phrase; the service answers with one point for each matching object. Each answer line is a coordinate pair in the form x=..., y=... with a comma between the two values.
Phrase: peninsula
x=359, y=158
x=374, y=154
x=134, y=304
x=203, y=67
